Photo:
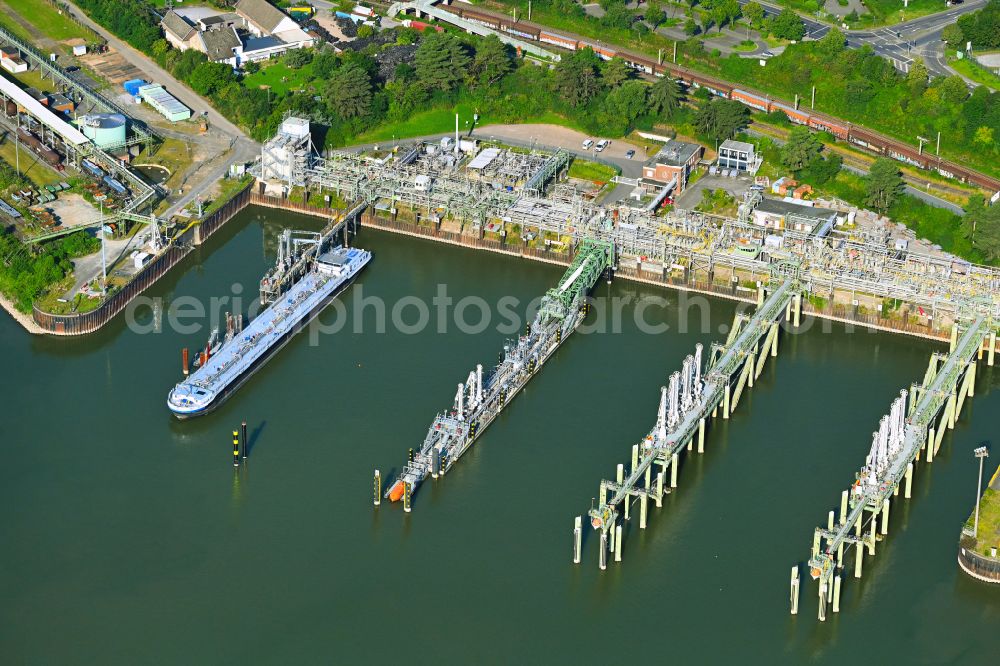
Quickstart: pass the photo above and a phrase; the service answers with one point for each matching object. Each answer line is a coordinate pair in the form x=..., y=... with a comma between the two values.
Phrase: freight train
x=842, y=129
x=29, y=139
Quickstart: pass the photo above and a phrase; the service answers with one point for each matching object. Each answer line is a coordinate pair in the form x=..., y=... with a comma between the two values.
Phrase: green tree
x=349, y=92
x=691, y=28
x=952, y=34
x=576, y=77
x=981, y=225
x=801, y=150
x=788, y=25
x=916, y=78
x=954, y=90
x=719, y=119
x=324, y=62
x=614, y=72
x=656, y=17
x=832, y=43
x=664, y=97
x=493, y=60
x=440, y=61
x=753, y=12
x=884, y=185
x=298, y=58
x=983, y=137
x=628, y=100
x=210, y=77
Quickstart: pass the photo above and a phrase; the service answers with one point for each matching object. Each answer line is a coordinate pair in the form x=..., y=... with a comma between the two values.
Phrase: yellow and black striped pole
x=378, y=487
x=236, y=449
x=243, y=438
x=406, y=496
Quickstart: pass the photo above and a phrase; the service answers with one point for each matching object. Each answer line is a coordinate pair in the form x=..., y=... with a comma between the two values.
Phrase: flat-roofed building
x=674, y=162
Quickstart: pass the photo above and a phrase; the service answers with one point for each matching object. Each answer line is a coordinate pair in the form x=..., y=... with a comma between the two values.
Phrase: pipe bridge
x=686, y=405
x=480, y=399
x=915, y=424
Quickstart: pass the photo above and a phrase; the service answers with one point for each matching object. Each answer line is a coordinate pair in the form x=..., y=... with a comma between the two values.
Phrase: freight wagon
x=839, y=128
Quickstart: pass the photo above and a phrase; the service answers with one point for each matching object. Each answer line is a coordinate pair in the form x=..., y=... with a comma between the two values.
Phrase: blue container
x=132, y=86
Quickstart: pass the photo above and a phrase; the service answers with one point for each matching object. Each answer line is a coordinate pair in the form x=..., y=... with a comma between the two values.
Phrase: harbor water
x=126, y=537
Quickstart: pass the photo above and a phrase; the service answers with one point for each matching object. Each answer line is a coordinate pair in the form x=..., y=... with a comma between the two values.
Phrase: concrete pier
x=577, y=539
x=795, y=591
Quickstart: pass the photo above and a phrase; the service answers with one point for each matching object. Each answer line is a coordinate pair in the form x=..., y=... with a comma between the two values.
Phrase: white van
x=587, y=144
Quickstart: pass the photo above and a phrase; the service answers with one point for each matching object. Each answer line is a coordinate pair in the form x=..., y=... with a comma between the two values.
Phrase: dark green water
x=126, y=539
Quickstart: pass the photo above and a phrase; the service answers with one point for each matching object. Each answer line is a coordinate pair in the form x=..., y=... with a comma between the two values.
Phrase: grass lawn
x=593, y=171
x=280, y=77
x=976, y=72
x=988, y=535
x=49, y=20
x=442, y=119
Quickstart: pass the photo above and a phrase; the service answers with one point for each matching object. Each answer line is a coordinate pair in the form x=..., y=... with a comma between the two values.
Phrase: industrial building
x=671, y=166
x=737, y=155
x=53, y=134
x=165, y=103
x=788, y=215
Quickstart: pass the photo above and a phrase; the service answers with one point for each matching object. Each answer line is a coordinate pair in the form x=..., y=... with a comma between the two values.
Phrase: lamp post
x=981, y=452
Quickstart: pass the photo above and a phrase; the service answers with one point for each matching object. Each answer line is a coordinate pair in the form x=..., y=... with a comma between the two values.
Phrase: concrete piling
x=725, y=401
x=972, y=379
x=822, y=600
x=930, y=445
x=603, y=558
x=659, y=489
x=377, y=488
x=774, y=345
x=830, y=521
x=797, y=312
x=871, y=537
x=642, y=511
x=673, y=470
x=836, y=593
x=620, y=473
x=885, y=516
x=909, y=481
x=795, y=590
x=635, y=457
x=577, y=538
x=618, y=543
x=843, y=507
x=992, y=348
x=701, y=435
x=954, y=338
x=859, y=554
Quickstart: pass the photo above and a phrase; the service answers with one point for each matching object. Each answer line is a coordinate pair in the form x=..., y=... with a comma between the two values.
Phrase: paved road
x=901, y=42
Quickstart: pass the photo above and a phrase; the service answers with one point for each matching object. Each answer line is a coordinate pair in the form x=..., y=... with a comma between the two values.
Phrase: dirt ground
x=111, y=66
x=72, y=210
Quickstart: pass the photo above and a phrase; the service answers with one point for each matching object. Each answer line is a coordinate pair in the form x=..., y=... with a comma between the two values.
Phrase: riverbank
x=977, y=555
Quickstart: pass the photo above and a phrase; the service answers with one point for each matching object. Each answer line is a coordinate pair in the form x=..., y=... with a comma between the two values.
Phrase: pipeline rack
x=916, y=423
x=686, y=405
x=478, y=401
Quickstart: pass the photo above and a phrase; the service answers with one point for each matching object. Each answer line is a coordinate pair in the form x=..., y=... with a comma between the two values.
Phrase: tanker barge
x=235, y=362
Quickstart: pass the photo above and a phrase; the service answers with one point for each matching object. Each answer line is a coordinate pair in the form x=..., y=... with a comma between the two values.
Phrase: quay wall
x=691, y=281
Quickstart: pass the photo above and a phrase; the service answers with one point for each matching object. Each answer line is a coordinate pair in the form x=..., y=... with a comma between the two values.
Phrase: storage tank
x=104, y=129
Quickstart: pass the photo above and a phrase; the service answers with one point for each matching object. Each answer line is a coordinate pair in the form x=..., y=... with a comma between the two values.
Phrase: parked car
x=602, y=144
x=629, y=154
x=587, y=144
